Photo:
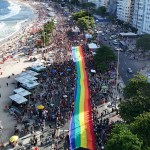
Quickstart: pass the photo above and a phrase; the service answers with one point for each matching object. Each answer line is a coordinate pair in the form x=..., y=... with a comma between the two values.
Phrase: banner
x=81, y=131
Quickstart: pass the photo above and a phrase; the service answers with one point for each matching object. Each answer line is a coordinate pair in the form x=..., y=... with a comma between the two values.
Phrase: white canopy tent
x=128, y=34
x=30, y=85
x=23, y=73
x=33, y=73
x=18, y=98
x=29, y=77
x=38, y=68
x=21, y=79
x=93, y=71
x=51, y=14
x=75, y=29
x=92, y=46
x=22, y=92
x=88, y=36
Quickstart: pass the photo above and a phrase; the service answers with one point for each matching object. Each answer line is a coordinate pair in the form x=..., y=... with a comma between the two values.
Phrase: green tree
x=101, y=11
x=84, y=20
x=46, y=32
x=86, y=23
x=75, y=2
x=133, y=107
x=112, y=18
x=76, y=16
x=137, y=85
x=141, y=127
x=104, y=56
x=121, y=138
x=143, y=42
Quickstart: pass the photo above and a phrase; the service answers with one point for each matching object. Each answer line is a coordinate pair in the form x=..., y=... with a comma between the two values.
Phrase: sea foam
x=14, y=10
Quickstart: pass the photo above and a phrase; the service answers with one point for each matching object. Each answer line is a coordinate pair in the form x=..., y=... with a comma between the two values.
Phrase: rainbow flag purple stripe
x=81, y=130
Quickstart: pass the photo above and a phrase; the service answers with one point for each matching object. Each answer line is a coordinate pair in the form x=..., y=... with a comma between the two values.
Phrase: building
x=99, y=3
x=141, y=16
x=103, y=3
x=124, y=10
x=112, y=7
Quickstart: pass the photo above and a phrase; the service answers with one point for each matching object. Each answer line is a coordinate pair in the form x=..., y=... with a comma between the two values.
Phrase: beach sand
x=11, y=66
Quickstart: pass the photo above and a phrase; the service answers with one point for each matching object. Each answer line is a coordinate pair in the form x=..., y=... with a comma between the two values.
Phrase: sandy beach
x=14, y=66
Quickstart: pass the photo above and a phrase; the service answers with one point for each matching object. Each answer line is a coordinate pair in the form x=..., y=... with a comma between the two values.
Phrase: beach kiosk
x=22, y=92
x=88, y=36
x=92, y=46
x=38, y=68
x=18, y=99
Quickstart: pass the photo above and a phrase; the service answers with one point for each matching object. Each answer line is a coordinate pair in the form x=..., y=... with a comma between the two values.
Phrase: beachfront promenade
x=56, y=90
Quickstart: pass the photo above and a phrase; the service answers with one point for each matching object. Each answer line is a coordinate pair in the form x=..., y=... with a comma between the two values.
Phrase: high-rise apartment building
x=95, y=2
x=99, y=3
x=103, y=3
x=141, y=16
x=124, y=10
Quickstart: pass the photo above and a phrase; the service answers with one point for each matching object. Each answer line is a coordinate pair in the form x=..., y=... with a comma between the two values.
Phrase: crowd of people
x=57, y=84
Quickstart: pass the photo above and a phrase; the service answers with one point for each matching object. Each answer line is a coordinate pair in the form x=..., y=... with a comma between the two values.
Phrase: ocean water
x=12, y=16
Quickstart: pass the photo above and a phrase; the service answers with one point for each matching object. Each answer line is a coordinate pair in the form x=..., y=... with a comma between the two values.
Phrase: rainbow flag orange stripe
x=81, y=126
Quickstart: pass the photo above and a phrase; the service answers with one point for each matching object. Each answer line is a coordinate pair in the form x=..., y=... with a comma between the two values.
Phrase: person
x=7, y=84
x=35, y=140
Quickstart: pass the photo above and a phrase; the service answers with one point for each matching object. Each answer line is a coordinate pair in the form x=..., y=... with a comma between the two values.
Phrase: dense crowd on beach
x=57, y=84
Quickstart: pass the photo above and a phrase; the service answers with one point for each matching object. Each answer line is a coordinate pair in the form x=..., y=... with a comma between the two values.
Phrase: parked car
x=118, y=49
x=129, y=70
x=115, y=42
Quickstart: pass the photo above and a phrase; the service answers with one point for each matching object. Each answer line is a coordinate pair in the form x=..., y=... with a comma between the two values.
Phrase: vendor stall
x=22, y=92
x=92, y=46
x=88, y=36
x=38, y=68
x=18, y=98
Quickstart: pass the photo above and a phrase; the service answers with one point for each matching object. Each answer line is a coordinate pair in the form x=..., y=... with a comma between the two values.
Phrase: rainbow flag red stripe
x=81, y=127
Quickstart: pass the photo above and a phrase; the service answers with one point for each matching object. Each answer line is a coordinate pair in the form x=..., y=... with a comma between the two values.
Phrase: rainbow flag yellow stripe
x=81, y=126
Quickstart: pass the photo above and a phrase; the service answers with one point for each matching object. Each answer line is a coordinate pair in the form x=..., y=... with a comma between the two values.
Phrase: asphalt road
x=125, y=61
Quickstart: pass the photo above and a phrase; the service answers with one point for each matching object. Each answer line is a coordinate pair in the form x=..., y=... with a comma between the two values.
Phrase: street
x=125, y=61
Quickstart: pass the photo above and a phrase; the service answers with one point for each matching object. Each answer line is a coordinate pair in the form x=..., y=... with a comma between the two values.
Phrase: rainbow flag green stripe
x=81, y=126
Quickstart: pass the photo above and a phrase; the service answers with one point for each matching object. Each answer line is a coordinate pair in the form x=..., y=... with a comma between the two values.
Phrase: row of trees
x=135, y=111
x=143, y=42
x=84, y=20
x=46, y=34
x=104, y=56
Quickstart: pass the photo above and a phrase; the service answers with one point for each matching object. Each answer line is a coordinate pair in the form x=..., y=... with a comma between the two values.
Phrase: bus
x=123, y=45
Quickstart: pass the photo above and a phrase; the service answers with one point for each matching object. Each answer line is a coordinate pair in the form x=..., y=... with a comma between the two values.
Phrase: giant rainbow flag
x=81, y=131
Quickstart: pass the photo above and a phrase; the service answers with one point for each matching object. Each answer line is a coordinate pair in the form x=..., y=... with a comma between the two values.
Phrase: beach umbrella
x=40, y=107
x=14, y=138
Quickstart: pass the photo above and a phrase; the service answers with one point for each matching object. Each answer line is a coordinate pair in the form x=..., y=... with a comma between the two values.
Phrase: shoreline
x=14, y=37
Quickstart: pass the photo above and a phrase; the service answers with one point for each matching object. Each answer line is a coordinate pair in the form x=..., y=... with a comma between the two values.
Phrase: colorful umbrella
x=40, y=107
x=14, y=138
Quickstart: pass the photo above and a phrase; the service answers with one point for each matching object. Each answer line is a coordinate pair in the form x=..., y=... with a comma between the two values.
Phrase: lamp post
x=117, y=73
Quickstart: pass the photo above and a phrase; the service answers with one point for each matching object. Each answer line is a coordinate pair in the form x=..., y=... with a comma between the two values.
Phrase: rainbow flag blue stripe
x=81, y=126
